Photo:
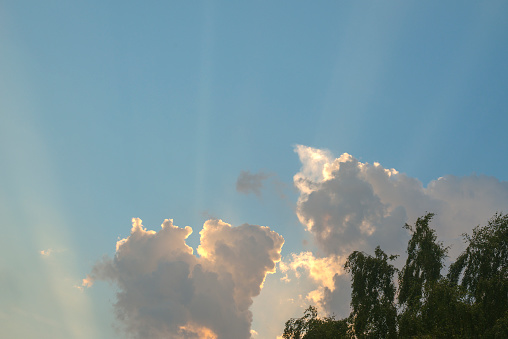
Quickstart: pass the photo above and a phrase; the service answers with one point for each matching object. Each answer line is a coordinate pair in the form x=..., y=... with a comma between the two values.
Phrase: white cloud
x=331, y=287
x=166, y=291
x=339, y=206
x=321, y=270
x=348, y=205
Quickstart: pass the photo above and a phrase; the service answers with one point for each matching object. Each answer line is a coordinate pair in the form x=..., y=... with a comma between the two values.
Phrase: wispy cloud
x=49, y=252
x=251, y=183
x=46, y=253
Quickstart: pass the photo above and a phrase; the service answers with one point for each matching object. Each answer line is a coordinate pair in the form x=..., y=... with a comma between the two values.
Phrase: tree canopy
x=482, y=270
x=470, y=301
x=372, y=300
x=425, y=258
x=311, y=327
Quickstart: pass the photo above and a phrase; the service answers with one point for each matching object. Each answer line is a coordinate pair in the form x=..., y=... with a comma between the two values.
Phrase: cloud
x=88, y=281
x=339, y=206
x=348, y=205
x=325, y=273
x=50, y=252
x=167, y=291
x=321, y=270
x=46, y=253
x=251, y=183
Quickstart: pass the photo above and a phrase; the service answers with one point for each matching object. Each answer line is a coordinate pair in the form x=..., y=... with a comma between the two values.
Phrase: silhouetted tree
x=374, y=313
x=471, y=302
x=311, y=327
x=483, y=271
x=425, y=257
x=444, y=313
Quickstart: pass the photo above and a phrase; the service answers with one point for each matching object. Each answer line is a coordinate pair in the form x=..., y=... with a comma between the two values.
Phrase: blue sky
x=111, y=111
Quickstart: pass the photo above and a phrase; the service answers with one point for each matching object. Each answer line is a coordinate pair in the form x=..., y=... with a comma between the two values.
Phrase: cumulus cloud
x=251, y=183
x=167, y=291
x=339, y=206
x=321, y=270
x=348, y=205
x=327, y=273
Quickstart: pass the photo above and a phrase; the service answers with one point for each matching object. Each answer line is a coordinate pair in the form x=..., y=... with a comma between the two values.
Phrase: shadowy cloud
x=251, y=183
x=167, y=291
x=348, y=205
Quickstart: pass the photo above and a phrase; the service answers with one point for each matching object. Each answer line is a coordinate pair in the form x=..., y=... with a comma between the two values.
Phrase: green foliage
x=471, y=302
x=500, y=329
x=311, y=327
x=374, y=313
x=425, y=257
x=444, y=314
x=484, y=269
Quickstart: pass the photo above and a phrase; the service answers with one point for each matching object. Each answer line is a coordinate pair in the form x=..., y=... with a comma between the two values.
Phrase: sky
x=202, y=169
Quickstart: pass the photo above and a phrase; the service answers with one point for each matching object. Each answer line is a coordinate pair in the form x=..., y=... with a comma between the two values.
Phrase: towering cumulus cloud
x=348, y=205
x=340, y=206
x=168, y=292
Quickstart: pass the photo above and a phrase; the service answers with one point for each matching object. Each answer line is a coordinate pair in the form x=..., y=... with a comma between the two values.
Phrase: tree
x=444, y=314
x=425, y=257
x=483, y=267
x=471, y=302
x=311, y=327
x=374, y=313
